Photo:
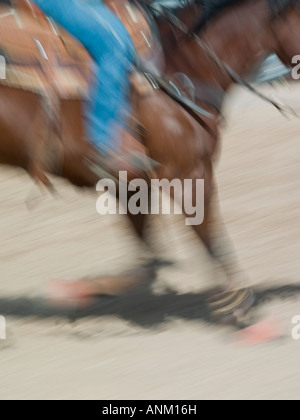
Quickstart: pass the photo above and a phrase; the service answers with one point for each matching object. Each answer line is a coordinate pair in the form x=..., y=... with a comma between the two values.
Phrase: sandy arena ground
x=155, y=343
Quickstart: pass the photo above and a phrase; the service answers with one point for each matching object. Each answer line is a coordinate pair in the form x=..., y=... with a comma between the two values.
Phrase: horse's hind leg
x=80, y=292
x=150, y=262
x=42, y=182
x=40, y=178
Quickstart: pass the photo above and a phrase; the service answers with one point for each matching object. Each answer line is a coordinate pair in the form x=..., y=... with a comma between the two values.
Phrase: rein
x=235, y=77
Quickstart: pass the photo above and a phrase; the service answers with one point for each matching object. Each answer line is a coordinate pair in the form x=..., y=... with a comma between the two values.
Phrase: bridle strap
x=234, y=76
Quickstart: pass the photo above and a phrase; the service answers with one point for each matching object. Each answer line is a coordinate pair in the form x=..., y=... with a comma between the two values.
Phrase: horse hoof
x=264, y=330
x=231, y=306
x=68, y=294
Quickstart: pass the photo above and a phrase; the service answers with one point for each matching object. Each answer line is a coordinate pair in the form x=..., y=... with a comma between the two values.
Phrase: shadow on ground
x=141, y=307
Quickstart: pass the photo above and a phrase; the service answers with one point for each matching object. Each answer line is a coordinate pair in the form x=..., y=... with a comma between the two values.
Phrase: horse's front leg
x=232, y=299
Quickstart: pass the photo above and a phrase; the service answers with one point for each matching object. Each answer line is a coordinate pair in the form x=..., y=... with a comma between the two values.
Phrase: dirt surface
x=156, y=342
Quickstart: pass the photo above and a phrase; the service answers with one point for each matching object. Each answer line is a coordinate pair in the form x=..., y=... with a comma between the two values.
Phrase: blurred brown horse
x=242, y=34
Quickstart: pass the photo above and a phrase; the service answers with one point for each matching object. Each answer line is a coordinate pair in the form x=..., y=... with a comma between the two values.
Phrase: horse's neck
x=169, y=34
x=236, y=37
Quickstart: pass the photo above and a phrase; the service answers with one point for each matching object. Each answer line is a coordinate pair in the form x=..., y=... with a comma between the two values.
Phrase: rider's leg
x=108, y=42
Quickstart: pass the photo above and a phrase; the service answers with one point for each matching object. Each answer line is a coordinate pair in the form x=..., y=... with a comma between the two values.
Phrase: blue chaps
x=106, y=39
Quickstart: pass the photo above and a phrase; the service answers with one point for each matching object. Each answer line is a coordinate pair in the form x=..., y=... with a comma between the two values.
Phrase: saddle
x=36, y=55
x=39, y=55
